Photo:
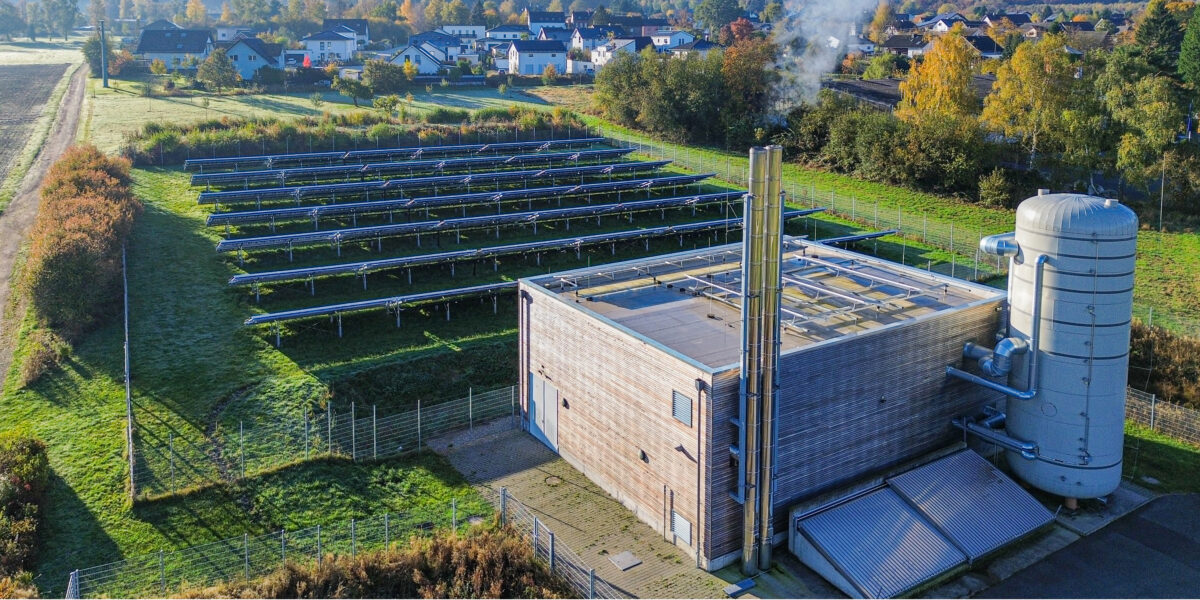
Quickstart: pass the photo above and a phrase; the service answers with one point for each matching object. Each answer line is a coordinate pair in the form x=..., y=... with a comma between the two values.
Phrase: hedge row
x=24, y=472
x=73, y=275
x=484, y=563
x=166, y=143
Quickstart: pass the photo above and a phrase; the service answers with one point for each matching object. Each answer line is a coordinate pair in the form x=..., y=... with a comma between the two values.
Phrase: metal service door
x=543, y=411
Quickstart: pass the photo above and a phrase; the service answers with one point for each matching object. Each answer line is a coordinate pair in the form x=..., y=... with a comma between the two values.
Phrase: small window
x=681, y=527
x=681, y=408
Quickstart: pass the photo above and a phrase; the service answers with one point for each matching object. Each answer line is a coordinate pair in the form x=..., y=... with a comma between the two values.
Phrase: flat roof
x=689, y=303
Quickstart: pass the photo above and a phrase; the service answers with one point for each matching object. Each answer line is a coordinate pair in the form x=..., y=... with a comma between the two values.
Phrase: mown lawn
x=1172, y=463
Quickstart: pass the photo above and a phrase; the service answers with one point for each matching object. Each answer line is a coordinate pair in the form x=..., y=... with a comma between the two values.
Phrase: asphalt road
x=1154, y=552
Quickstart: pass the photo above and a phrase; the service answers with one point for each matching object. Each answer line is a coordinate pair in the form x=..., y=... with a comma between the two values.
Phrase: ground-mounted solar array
x=431, y=232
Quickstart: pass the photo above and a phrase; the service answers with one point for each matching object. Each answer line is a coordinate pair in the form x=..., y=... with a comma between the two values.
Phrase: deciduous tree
x=197, y=13
x=717, y=13
x=61, y=15
x=352, y=88
x=1031, y=92
x=940, y=85
x=97, y=11
x=884, y=15
x=218, y=71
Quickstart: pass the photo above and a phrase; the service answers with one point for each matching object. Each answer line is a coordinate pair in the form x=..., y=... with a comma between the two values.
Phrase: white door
x=543, y=411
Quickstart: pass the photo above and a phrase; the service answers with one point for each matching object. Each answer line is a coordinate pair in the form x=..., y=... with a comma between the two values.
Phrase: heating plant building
x=810, y=394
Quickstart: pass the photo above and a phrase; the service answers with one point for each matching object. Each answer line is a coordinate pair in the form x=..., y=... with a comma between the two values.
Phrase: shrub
x=484, y=563
x=1165, y=363
x=73, y=272
x=46, y=350
x=442, y=114
x=22, y=496
x=995, y=189
x=18, y=586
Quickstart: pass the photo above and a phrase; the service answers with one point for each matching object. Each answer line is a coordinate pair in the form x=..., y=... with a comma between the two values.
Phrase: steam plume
x=812, y=38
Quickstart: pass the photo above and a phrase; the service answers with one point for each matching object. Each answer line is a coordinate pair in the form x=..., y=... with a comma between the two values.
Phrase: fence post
x=320, y=555
x=73, y=585
x=306, y=434
x=162, y=572
x=470, y=409
x=246, y=554
x=353, y=434
x=418, y=424
x=551, y=551
x=171, y=450
x=386, y=530
x=503, y=505
x=1153, y=409
x=536, y=524
x=128, y=389
x=353, y=538
x=242, y=449
x=282, y=546
x=329, y=427
x=374, y=435
x=512, y=401
x=591, y=583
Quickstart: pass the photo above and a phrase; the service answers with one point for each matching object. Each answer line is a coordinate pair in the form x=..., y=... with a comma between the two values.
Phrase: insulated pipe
x=771, y=289
x=1031, y=390
x=1027, y=450
x=1001, y=244
x=998, y=361
x=752, y=276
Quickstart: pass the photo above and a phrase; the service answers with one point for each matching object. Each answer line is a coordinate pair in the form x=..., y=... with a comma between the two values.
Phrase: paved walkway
x=588, y=520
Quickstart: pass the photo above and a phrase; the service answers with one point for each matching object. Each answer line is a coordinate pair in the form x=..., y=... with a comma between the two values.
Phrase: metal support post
x=282, y=545
x=162, y=573
x=551, y=551
x=418, y=424
x=591, y=583
x=503, y=505
x=454, y=513
x=374, y=435
x=329, y=427
x=306, y=445
x=246, y=555
x=536, y=524
x=242, y=448
x=353, y=538
x=470, y=409
x=353, y=435
x=320, y=555
x=386, y=530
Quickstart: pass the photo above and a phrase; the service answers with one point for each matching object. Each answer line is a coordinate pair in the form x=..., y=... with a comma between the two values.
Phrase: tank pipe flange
x=1027, y=450
x=1035, y=344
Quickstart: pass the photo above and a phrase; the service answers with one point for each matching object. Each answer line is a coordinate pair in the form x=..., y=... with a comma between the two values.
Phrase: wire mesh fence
x=162, y=573
x=1169, y=419
x=169, y=463
x=546, y=546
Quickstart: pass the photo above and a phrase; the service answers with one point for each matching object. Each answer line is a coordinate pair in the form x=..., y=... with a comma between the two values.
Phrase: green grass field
x=44, y=52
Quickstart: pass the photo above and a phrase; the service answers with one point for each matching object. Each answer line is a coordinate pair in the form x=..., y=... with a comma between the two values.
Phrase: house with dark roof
x=557, y=34
x=900, y=26
x=579, y=18
x=535, y=20
x=448, y=48
x=160, y=25
x=359, y=28
x=1017, y=19
x=986, y=46
x=508, y=32
x=603, y=55
x=587, y=38
x=249, y=54
x=665, y=39
x=174, y=46
x=944, y=25
x=531, y=57
x=425, y=62
x=698, y=47
x=911, y=45
x=330, y=46
x=948, y=17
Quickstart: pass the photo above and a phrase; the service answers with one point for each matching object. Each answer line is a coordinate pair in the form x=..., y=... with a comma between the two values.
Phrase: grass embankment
x=1170, y=462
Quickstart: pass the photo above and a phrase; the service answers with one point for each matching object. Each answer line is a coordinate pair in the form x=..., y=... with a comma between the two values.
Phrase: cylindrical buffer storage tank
x=1077, y=417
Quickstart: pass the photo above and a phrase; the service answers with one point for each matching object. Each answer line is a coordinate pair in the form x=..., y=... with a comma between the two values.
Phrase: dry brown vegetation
x=483, y=563
x=1165, y=363
x=73, y=274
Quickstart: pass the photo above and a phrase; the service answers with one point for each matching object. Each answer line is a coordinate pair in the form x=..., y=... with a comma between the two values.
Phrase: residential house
x=946, y=17
x=295, y=58
x=174, y=46
x=666, y=39
x=1017, y=19
x=500, y=56
x=602, y=55
x=579, y=18
x=587, y=38
x=535, y=20
x=508, y=33
x=359, y=29
x=698, y=47
x=637, y=25
x=160, y=25
x=531, y=57
x=900, y=26
x=228, y=33
x=465, y=32
x=425, y=62
x=911, y=45
x=1078, y=26
x=249, y=54
x=442, y=45
x=557, y=34
x=945, y=25
x=330, y=46
x=987, y=47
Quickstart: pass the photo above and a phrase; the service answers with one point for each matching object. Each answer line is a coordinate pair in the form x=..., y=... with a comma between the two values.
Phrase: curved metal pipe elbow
x=1001, y=244
x=1000, y=362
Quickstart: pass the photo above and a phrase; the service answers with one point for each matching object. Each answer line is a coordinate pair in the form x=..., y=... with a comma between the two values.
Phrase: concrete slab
x=625, y=560
x=584, y=517
x=1153, y=552
x=1092, y=514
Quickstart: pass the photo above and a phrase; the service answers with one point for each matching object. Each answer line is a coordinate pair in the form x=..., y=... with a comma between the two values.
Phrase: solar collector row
x=377, y=170
x=274, y=215
x=369, y=266
x=366, y=155
x=332, y=189
x=336, y=236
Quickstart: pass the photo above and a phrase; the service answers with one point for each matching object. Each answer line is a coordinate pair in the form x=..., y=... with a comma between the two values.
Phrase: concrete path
x=583, y=516
x=1152, y=553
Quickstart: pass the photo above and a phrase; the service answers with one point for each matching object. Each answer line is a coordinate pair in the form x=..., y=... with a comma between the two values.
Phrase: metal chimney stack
x=761, y=280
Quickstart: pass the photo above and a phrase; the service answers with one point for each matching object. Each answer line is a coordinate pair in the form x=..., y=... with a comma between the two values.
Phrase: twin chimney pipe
x=761, y=288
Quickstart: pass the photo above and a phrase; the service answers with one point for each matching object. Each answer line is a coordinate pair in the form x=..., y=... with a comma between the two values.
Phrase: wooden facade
x=848, y=407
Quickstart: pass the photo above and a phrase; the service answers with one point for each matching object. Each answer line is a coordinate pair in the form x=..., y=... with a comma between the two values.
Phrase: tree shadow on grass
x=84, y=542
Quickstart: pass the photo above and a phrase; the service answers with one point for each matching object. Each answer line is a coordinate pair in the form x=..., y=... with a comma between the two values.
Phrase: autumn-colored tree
x=940, y=85
x=158, y=67
x=741, y=29
x=1031, y=93
x=884, y=15
x=413, y=15
x=197, y=13
x=226, y=13
x=410, y=70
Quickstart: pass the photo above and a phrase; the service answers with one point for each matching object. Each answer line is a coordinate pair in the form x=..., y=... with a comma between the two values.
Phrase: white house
x=442, y=45
x=699, y=47
x=249, y=54
x=328, y=46
x=500, y=56
x=227, y=33
x=465, y=32
x=426, y=63
x=535, y=20
x=557, y=34
x=664, y=40
x=174, y=46
x=531, y=57
x=603, y=54
x=359, y=29
x=588, y=38
x=508, y=33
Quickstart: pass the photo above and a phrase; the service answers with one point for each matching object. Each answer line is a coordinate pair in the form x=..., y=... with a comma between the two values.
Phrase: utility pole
x=103, y=57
